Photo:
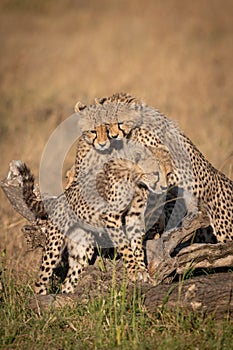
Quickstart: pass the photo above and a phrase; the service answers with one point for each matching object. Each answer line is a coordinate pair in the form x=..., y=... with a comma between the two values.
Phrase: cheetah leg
x=192, y=209
x=116, y=232
x=129, y=259
x=135, y=230
x=81, y=250
x=50, y=259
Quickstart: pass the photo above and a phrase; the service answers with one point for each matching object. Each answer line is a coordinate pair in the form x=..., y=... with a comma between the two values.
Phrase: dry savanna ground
x=176, y=55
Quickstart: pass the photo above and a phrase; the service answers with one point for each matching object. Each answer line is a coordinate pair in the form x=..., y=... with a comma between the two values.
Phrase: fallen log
x=205, y=295
x=210, y=295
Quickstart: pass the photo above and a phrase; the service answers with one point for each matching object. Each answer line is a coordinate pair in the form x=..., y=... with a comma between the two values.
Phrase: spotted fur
x=107, y=126
x=101, y=207
x=195, y=179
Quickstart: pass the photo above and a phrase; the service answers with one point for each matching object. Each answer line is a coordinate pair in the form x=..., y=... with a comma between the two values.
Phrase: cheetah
x=103, y=207
x=107, y=126
x=193, y=177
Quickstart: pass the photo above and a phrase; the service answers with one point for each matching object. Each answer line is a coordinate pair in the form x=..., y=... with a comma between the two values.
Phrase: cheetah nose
x=102, y=144
x=114, y=136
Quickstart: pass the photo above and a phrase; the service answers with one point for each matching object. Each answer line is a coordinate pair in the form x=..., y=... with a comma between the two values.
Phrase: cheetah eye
x=137, y=157
x=89, y=132
x=125, y=127
x=121, y=127
x=89, y=136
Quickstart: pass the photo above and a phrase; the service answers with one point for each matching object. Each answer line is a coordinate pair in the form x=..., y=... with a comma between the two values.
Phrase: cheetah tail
x=32, y=200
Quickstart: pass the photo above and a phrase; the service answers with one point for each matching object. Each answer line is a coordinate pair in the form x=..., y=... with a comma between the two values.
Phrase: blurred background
x=176, y=55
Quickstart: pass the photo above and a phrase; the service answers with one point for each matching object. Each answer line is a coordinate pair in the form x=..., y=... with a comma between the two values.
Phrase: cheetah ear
x=79, y=107
x=100, y=100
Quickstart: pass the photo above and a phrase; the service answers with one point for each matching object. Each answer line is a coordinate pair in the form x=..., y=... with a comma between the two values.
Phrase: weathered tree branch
x=162, y=264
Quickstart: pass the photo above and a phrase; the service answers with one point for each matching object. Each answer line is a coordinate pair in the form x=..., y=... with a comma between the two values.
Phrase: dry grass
x=177, y=55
